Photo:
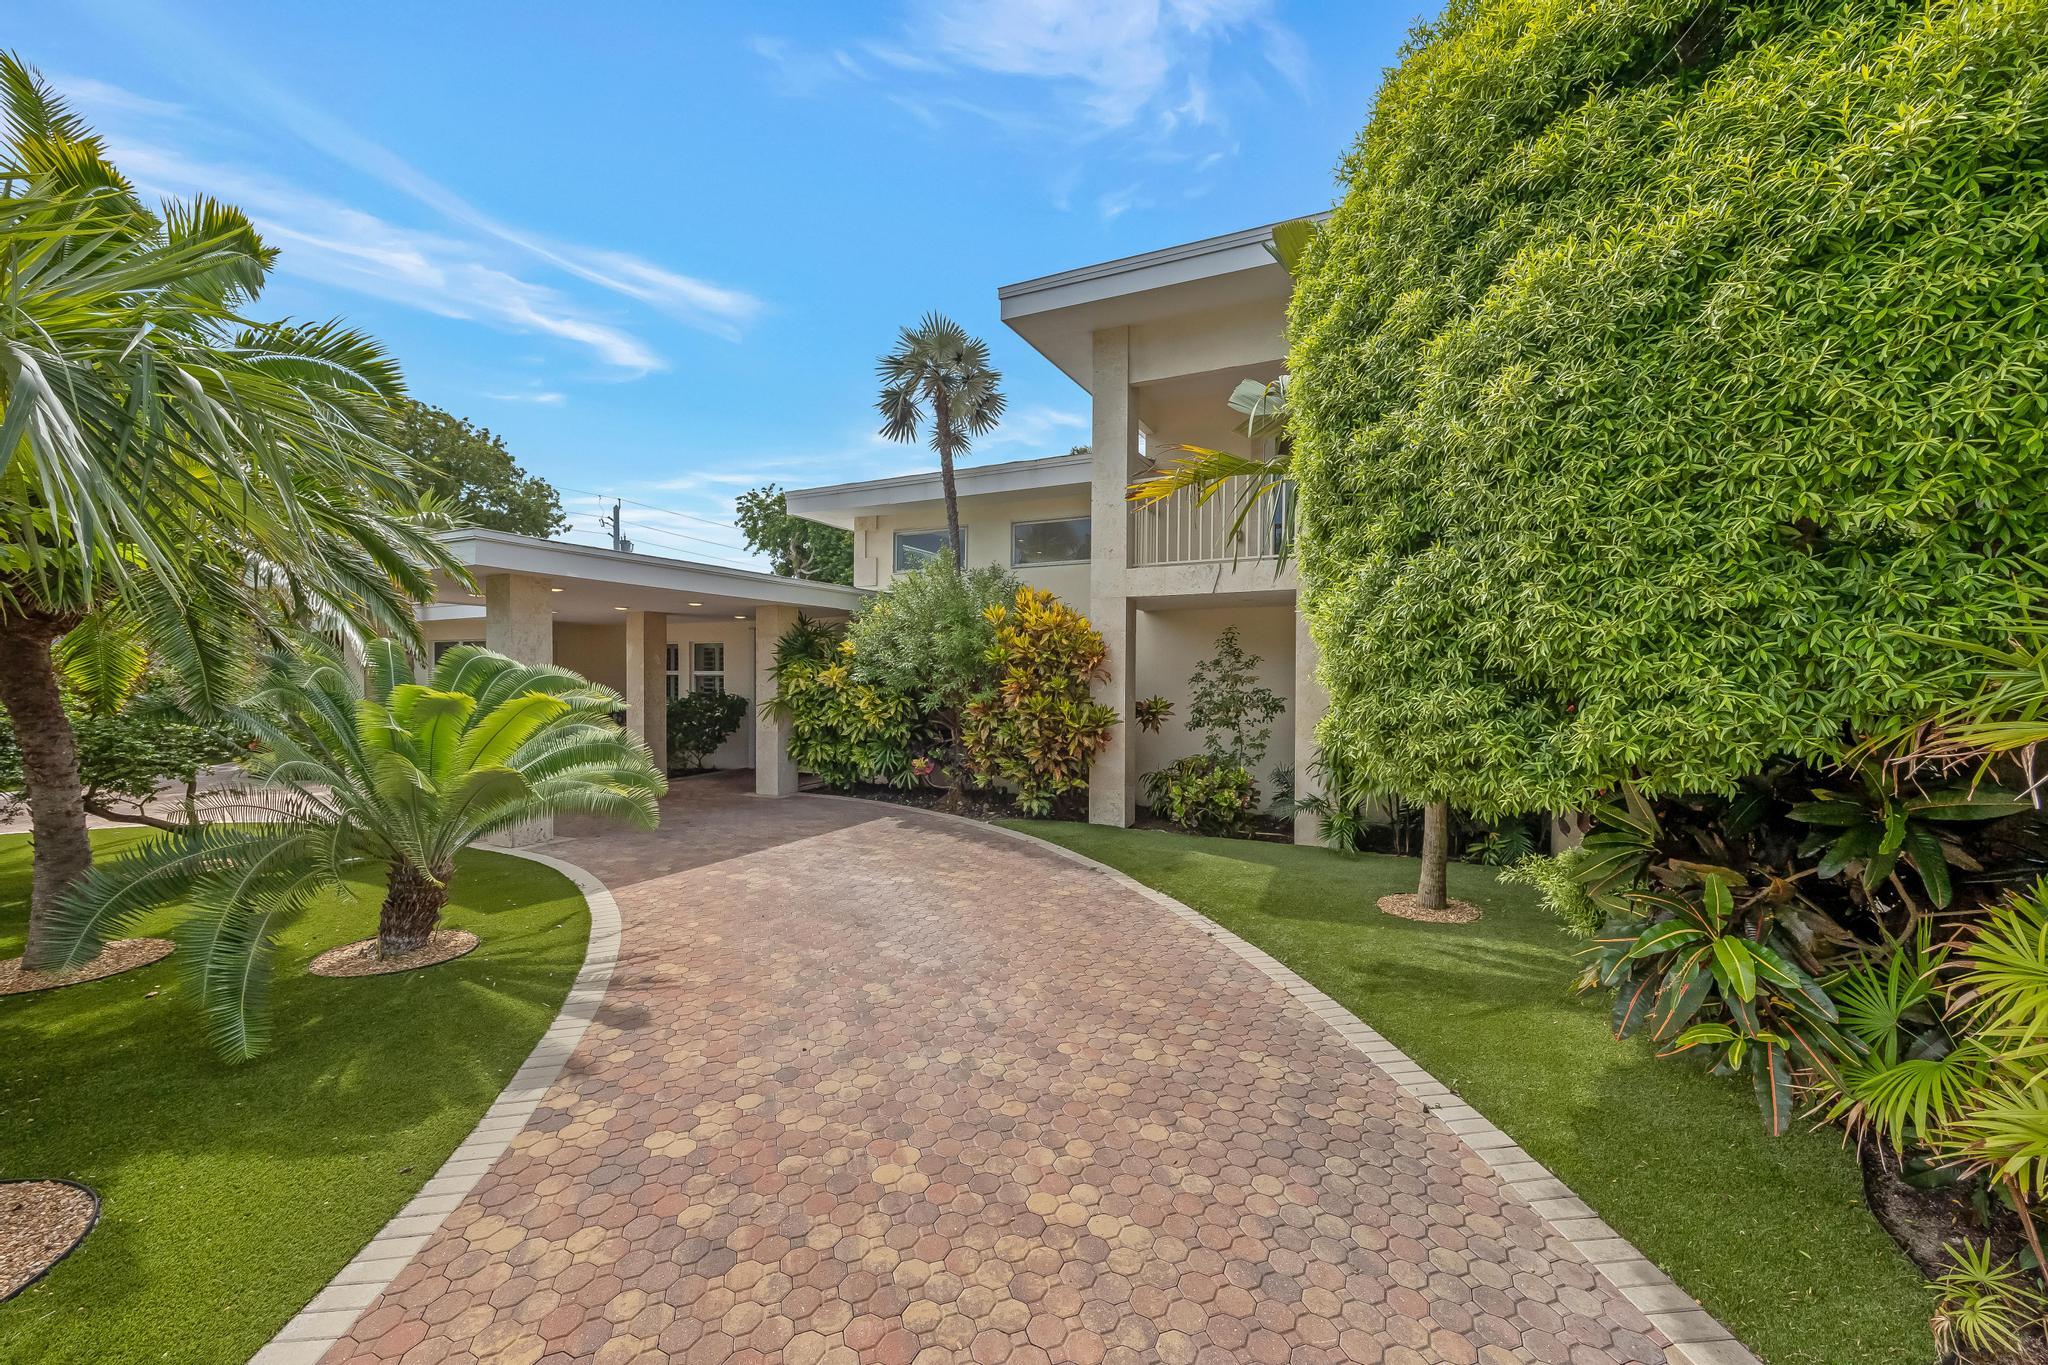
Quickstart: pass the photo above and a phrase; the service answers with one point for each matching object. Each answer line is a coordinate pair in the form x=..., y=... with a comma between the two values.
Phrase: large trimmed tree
x=1668, y=388
x=165, y=459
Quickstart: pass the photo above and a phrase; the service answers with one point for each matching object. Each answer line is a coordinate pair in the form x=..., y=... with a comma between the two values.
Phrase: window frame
x=1015, y=526
x=721, y=672
x=896, y=547
x=437, y=648
x=672, y=679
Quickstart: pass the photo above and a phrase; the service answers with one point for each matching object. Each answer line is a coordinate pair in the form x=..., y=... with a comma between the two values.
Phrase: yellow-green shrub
x=1040, y=728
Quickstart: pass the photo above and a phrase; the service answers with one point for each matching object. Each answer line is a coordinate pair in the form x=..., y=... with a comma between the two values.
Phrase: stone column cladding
x=1112, y=785
x=519, y=619
x=647, y=681
x=519, y=622
x=1311, y=700
x=774, y=770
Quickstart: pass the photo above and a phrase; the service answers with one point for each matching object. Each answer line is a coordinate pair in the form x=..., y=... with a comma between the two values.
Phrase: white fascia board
x=489, y=552
x=838, y=504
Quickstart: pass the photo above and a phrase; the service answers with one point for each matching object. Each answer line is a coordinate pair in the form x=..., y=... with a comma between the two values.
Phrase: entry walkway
x=871, y=1085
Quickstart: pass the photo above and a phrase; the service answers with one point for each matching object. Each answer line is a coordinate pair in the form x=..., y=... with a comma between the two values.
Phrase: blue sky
x=658, y=246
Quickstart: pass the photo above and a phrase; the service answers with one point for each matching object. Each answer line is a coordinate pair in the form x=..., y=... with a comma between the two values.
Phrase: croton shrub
x=1040, y=728
x=840, y=728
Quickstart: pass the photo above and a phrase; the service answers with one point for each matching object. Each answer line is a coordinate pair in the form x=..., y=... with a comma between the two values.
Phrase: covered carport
x=649, y=626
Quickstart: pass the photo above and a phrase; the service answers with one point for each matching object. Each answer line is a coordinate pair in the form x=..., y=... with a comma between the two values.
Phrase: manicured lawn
x=1771, y=1235
x=232, y=1194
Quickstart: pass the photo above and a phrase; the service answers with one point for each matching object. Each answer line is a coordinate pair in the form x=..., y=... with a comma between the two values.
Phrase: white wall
x=738, y=639
x=1171, y=643
x=987, y=519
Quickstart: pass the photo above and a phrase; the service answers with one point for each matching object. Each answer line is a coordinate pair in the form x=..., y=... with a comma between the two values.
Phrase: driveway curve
x=870, y=1085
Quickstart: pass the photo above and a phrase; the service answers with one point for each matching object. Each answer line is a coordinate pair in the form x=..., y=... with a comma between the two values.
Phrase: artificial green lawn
x=1771, y=1235
x=230, y=1195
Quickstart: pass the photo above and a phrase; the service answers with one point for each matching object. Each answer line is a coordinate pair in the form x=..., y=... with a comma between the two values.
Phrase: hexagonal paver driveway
x=874, y=1086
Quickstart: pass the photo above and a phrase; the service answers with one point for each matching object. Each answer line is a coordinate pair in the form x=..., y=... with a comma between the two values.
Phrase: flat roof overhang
x=838, y=504
x=1059, y=314
x=597, y=586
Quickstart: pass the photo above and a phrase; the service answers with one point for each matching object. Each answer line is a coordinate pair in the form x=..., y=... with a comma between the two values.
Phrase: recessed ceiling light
x=696, y=604
x=739, y=618
x=558, y=590
x=619, y=608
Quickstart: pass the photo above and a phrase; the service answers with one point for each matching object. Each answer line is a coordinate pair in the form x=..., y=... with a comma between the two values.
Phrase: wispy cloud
x=470, y=264
x=544, y=397
x=1148, y=77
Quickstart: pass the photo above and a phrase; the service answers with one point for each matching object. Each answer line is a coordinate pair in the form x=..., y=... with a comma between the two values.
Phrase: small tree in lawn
x=938, y=376
x=388, y=773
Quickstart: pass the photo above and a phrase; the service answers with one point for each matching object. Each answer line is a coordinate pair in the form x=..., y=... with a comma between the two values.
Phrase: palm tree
x=159, y=451
x=937, y=363
x=387, y=772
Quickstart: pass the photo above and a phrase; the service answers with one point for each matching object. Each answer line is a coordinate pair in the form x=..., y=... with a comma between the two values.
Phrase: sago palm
x=936, y=365
x=160, y=450
x=388, y=772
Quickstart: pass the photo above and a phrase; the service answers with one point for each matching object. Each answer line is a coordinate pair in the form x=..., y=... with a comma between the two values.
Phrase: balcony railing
x=1183, y=529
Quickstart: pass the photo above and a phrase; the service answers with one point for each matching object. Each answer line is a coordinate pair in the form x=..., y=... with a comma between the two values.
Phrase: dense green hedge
x=1664, y=376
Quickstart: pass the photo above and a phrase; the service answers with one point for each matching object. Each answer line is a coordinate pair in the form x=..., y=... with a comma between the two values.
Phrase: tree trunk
x=49, y=766
x=1436, y=855
x=412, y=907
x=942, y=426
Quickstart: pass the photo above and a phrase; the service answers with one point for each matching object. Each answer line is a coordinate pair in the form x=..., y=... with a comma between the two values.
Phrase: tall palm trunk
x=1432, y=891
x=942, y=425
x=412, y=907
x=49, y=767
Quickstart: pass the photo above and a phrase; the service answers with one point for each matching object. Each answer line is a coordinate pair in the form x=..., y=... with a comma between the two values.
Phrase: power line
x=653, y=507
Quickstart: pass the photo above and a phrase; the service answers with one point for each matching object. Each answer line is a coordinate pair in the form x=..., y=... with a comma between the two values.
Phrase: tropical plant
x=1707, y=958
x=211, y=473
x=1871, y=832
x=1557, y=881
x=1229, y=707
x=1615, y=461
x=698, y=722
x=127, y=755
x=1041, y=727
x=796, y=548
x=1502, y=842
x=383, y=771
x=930, y=638
x=1152, y=713
x=1982, y=1305
x=843, y=730
x=1204, y=794
x=939, y=378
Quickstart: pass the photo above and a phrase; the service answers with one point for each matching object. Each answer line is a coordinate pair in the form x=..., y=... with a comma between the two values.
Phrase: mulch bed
x=1407, y=905
x=40, y=1222
x=360, y=959
x=122, y=955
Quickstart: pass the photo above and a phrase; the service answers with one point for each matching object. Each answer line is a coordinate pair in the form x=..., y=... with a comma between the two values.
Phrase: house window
x=674, y=669
x=443, y=646
x=914, y=549
x=1064, y=541
x=707, y=668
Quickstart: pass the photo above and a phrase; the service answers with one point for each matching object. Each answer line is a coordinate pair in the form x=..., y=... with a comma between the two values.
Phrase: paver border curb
x=1697, y=1337
x=330, y=1314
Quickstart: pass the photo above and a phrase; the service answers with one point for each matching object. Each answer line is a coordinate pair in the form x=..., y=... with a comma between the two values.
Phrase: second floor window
x=915, y=549
x=1064, y=541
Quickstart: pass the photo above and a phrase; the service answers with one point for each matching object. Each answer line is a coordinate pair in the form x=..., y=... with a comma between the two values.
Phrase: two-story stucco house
x=1159, y=342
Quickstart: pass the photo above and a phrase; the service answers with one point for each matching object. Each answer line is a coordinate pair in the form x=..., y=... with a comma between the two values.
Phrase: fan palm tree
x=936, y=363
x=160, y=451
x=385, y=772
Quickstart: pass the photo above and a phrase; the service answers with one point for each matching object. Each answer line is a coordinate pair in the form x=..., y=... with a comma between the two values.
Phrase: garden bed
x=232, y=1194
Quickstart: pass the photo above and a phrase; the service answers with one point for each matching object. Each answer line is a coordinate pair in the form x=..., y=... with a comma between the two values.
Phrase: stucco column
x=1112, y=783
x=647, y=681
x=520, y=624
x=1311, y=701
x=519, y=619
x=774, y=770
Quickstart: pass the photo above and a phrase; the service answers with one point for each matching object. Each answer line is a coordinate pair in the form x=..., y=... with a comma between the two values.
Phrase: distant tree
x=468, y=467
x=938, y=378
x=796, y=548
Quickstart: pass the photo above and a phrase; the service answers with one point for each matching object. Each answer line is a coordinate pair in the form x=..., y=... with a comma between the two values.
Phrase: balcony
x=1184, y=529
